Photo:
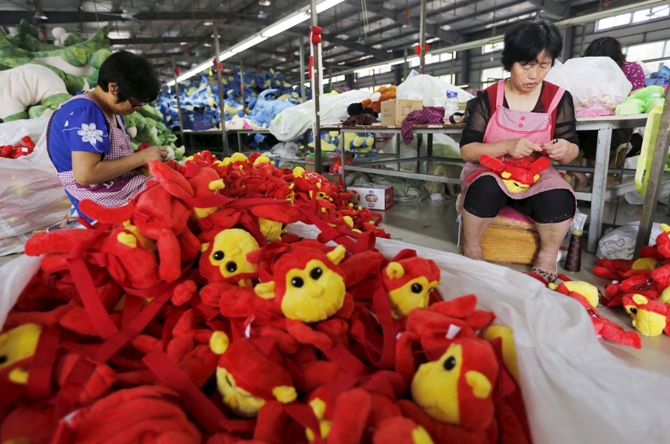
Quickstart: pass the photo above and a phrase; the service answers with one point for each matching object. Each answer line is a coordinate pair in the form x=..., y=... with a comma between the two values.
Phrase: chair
x=511, y=238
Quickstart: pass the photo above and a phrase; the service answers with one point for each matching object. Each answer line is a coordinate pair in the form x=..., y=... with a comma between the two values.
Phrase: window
x=335, y=79
x=493, y=47
x=647, y=51
x=449, y=78
x=492, y=75
x=638, y=16
x=650, y=14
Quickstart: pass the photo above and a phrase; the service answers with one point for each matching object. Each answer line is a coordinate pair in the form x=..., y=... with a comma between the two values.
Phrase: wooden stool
x=511, y=238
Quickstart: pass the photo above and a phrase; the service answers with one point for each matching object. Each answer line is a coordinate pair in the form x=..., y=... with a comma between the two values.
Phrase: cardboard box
x=373, y=197
x=394, y=111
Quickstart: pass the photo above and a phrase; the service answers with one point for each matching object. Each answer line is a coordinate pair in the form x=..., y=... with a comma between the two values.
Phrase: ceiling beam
x=11, y=18
x=551, y=8
x=398, y=17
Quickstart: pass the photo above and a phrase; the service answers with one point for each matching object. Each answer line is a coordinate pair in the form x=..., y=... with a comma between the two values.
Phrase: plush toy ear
x=219, y=342
x=337, y=255
x=265, y=290
x=172, y=181
x=284, y=394
x=492, y=163
x=394, y=270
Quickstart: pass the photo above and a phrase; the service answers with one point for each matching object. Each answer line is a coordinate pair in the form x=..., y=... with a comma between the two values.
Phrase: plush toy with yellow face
x=517, y=174
x=650, y=316
x=225, y=257
x=458, y=388
x=17, y=349
x=308, y=285
x=408, y=283
x=250, y=373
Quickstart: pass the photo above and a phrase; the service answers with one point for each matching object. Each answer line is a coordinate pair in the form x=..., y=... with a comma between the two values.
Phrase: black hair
x=606, y=47
x=526, y=40
x=134, y=75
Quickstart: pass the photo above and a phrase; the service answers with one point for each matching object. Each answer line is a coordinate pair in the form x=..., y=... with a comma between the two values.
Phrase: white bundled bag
x=293, y=122
x=597, y=84
x=431, y=90
x=31, y=196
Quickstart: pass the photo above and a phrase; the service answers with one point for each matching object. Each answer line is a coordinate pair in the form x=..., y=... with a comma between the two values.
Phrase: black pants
x=485, y=199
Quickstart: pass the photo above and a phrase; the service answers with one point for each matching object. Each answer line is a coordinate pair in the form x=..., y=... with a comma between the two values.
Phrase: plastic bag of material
x=597, y=84
x=31, y=196
x=619, y=243
x=575, y=390
x=293, y=122
x=431, y=90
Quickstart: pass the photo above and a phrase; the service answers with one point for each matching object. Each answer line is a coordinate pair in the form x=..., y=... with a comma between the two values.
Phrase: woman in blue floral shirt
x=86, y=139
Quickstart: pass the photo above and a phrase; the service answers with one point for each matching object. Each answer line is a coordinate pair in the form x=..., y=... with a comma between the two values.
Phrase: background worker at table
x=588, y=140
x=517, y=117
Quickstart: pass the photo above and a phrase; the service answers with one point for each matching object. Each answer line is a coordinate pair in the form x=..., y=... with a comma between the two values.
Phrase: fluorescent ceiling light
x=327, y=5
x=248, y=43
x=286, y=23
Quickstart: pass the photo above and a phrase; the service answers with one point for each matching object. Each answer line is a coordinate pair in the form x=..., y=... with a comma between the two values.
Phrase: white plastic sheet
x=431, y=90
x=293, y=122
x=31, y=196
x=575, y=390
x=596, y=83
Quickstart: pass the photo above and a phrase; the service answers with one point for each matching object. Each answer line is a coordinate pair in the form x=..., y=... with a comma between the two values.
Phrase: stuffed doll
x=160, y=214
x=130, y=415
x=408, y=283
x=381, y=94
x=453, y=396
x=251, y=372
x=589, y=291
x=225, y=257
x=307, y=285
x=650, y=316
x=517, y=174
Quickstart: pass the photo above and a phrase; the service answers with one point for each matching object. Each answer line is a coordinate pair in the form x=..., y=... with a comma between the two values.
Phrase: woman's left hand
x=556, y=149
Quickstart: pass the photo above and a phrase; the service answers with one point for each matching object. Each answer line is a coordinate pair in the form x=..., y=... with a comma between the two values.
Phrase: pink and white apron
x=113, y=193
x=506, y=124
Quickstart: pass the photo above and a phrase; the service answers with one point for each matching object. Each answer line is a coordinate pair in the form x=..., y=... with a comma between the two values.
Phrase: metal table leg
x=598, y=190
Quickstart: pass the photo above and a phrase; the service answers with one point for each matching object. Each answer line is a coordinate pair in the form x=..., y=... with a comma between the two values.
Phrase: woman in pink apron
x=514, y=118
x=86, y=139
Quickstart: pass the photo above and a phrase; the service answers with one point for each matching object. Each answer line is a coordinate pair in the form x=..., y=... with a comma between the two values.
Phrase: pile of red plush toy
x=23, y=148
x=191, y=315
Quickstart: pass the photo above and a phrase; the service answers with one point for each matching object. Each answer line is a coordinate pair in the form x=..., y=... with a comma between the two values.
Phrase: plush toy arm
x=169, y=253
x=106, y=215
x=60, y=241
x=306, y=335
x=492, y=163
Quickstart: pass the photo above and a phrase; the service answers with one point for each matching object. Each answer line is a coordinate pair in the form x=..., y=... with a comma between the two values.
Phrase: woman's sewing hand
x=154, y=153
x=522, y=147
x=556, y=149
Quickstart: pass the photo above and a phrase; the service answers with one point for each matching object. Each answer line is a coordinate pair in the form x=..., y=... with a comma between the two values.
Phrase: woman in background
x=588, y=140
x=514, y=118
x=86, y=139
x=610, y=47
